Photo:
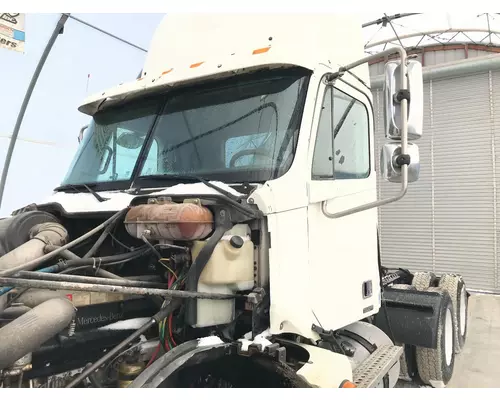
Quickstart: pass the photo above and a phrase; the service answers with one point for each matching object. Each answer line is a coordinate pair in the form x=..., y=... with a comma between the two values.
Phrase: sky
x=48, y=136
x=52, y=116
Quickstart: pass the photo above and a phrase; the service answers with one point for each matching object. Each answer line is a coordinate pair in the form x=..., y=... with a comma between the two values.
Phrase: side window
x=342, y=149
x=322, y=167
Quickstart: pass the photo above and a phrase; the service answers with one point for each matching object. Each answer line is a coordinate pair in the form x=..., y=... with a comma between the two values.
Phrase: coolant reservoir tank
x=231, y=262
x=229, y=269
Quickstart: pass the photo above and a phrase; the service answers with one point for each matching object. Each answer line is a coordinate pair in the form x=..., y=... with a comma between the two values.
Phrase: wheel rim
x=463, y=310
x=448, y=336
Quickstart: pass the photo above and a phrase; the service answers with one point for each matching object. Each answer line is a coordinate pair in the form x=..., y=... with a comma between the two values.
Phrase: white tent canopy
x=427, y=29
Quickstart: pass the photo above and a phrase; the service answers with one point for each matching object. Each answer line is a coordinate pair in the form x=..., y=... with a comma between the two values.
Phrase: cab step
x=370, y=373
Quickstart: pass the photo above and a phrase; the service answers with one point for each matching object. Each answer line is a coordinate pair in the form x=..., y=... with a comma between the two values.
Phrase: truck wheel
x=455, y=286
x=404, y=373
x=435, y=366
x=423, y=280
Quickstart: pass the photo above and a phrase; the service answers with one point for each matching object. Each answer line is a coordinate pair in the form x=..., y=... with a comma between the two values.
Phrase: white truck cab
x=249, y=141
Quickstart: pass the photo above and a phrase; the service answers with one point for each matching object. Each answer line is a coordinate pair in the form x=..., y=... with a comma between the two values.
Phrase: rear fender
x=325, y=369
x=410, y=316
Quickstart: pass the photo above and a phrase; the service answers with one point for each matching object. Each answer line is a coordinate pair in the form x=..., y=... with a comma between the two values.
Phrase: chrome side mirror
x=393, y=103
x=403, y=102
x=389, y=159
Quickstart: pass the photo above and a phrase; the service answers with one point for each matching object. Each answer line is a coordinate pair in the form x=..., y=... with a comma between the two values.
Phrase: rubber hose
x=28, y=332
x=155, y=319
x=72, y=256
x=14, y=312
x=65, y=253
x=99, y=241
x=4, y=290
x=30, y=265
x=30, y=299
x=97, y=261
x=101, y=272
x=104, y=235
x=33, y=249
x=106, y=274
x=111, y=354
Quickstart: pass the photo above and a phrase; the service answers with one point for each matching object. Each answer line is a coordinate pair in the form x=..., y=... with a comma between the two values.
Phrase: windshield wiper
x=99, y=198
x=190, y=178
x=234, y=200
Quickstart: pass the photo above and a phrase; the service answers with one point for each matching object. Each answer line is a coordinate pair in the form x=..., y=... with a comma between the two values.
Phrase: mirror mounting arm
x=332, y=77
x=80, y=135
x=404, y=93
x=402, y=159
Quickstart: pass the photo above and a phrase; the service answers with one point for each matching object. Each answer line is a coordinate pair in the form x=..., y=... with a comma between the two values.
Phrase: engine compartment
x=168, y=292
x=194, y=261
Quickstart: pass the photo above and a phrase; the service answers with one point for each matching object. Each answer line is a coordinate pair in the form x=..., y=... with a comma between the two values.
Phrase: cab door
x=343, y=261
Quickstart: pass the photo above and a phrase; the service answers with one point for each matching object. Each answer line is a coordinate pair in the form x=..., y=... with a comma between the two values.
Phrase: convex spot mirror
x=130, y=140
x=392, y=85
x=391, y=171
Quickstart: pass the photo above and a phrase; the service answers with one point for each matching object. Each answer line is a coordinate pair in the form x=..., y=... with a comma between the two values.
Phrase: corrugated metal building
x=449, y=221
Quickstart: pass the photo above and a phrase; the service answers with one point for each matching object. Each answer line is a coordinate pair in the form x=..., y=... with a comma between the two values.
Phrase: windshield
x=234, y=131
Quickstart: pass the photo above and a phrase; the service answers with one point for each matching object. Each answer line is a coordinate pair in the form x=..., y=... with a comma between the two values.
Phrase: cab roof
x=189, y=48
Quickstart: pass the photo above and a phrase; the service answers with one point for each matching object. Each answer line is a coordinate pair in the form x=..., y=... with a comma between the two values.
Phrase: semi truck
x=218, y=224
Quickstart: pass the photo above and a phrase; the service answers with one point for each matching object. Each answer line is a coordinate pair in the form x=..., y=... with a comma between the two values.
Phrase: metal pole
x=47, y=276
x=98, y=288
x=388, y=18
x=27, y=96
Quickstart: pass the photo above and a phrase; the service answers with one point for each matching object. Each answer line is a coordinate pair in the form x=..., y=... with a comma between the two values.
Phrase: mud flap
x=410, y=316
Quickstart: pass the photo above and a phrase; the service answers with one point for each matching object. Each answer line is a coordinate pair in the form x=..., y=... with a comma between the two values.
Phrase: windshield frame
x=120, y=184
x=136, y=181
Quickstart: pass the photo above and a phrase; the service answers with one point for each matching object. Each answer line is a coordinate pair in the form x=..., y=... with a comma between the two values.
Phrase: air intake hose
x=28, y=332
x=40, y=236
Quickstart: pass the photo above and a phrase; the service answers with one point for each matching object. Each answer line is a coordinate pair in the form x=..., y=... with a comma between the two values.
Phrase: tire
x=435, y=366
x=455, y=286
x=423, y=280
x=403, y=371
